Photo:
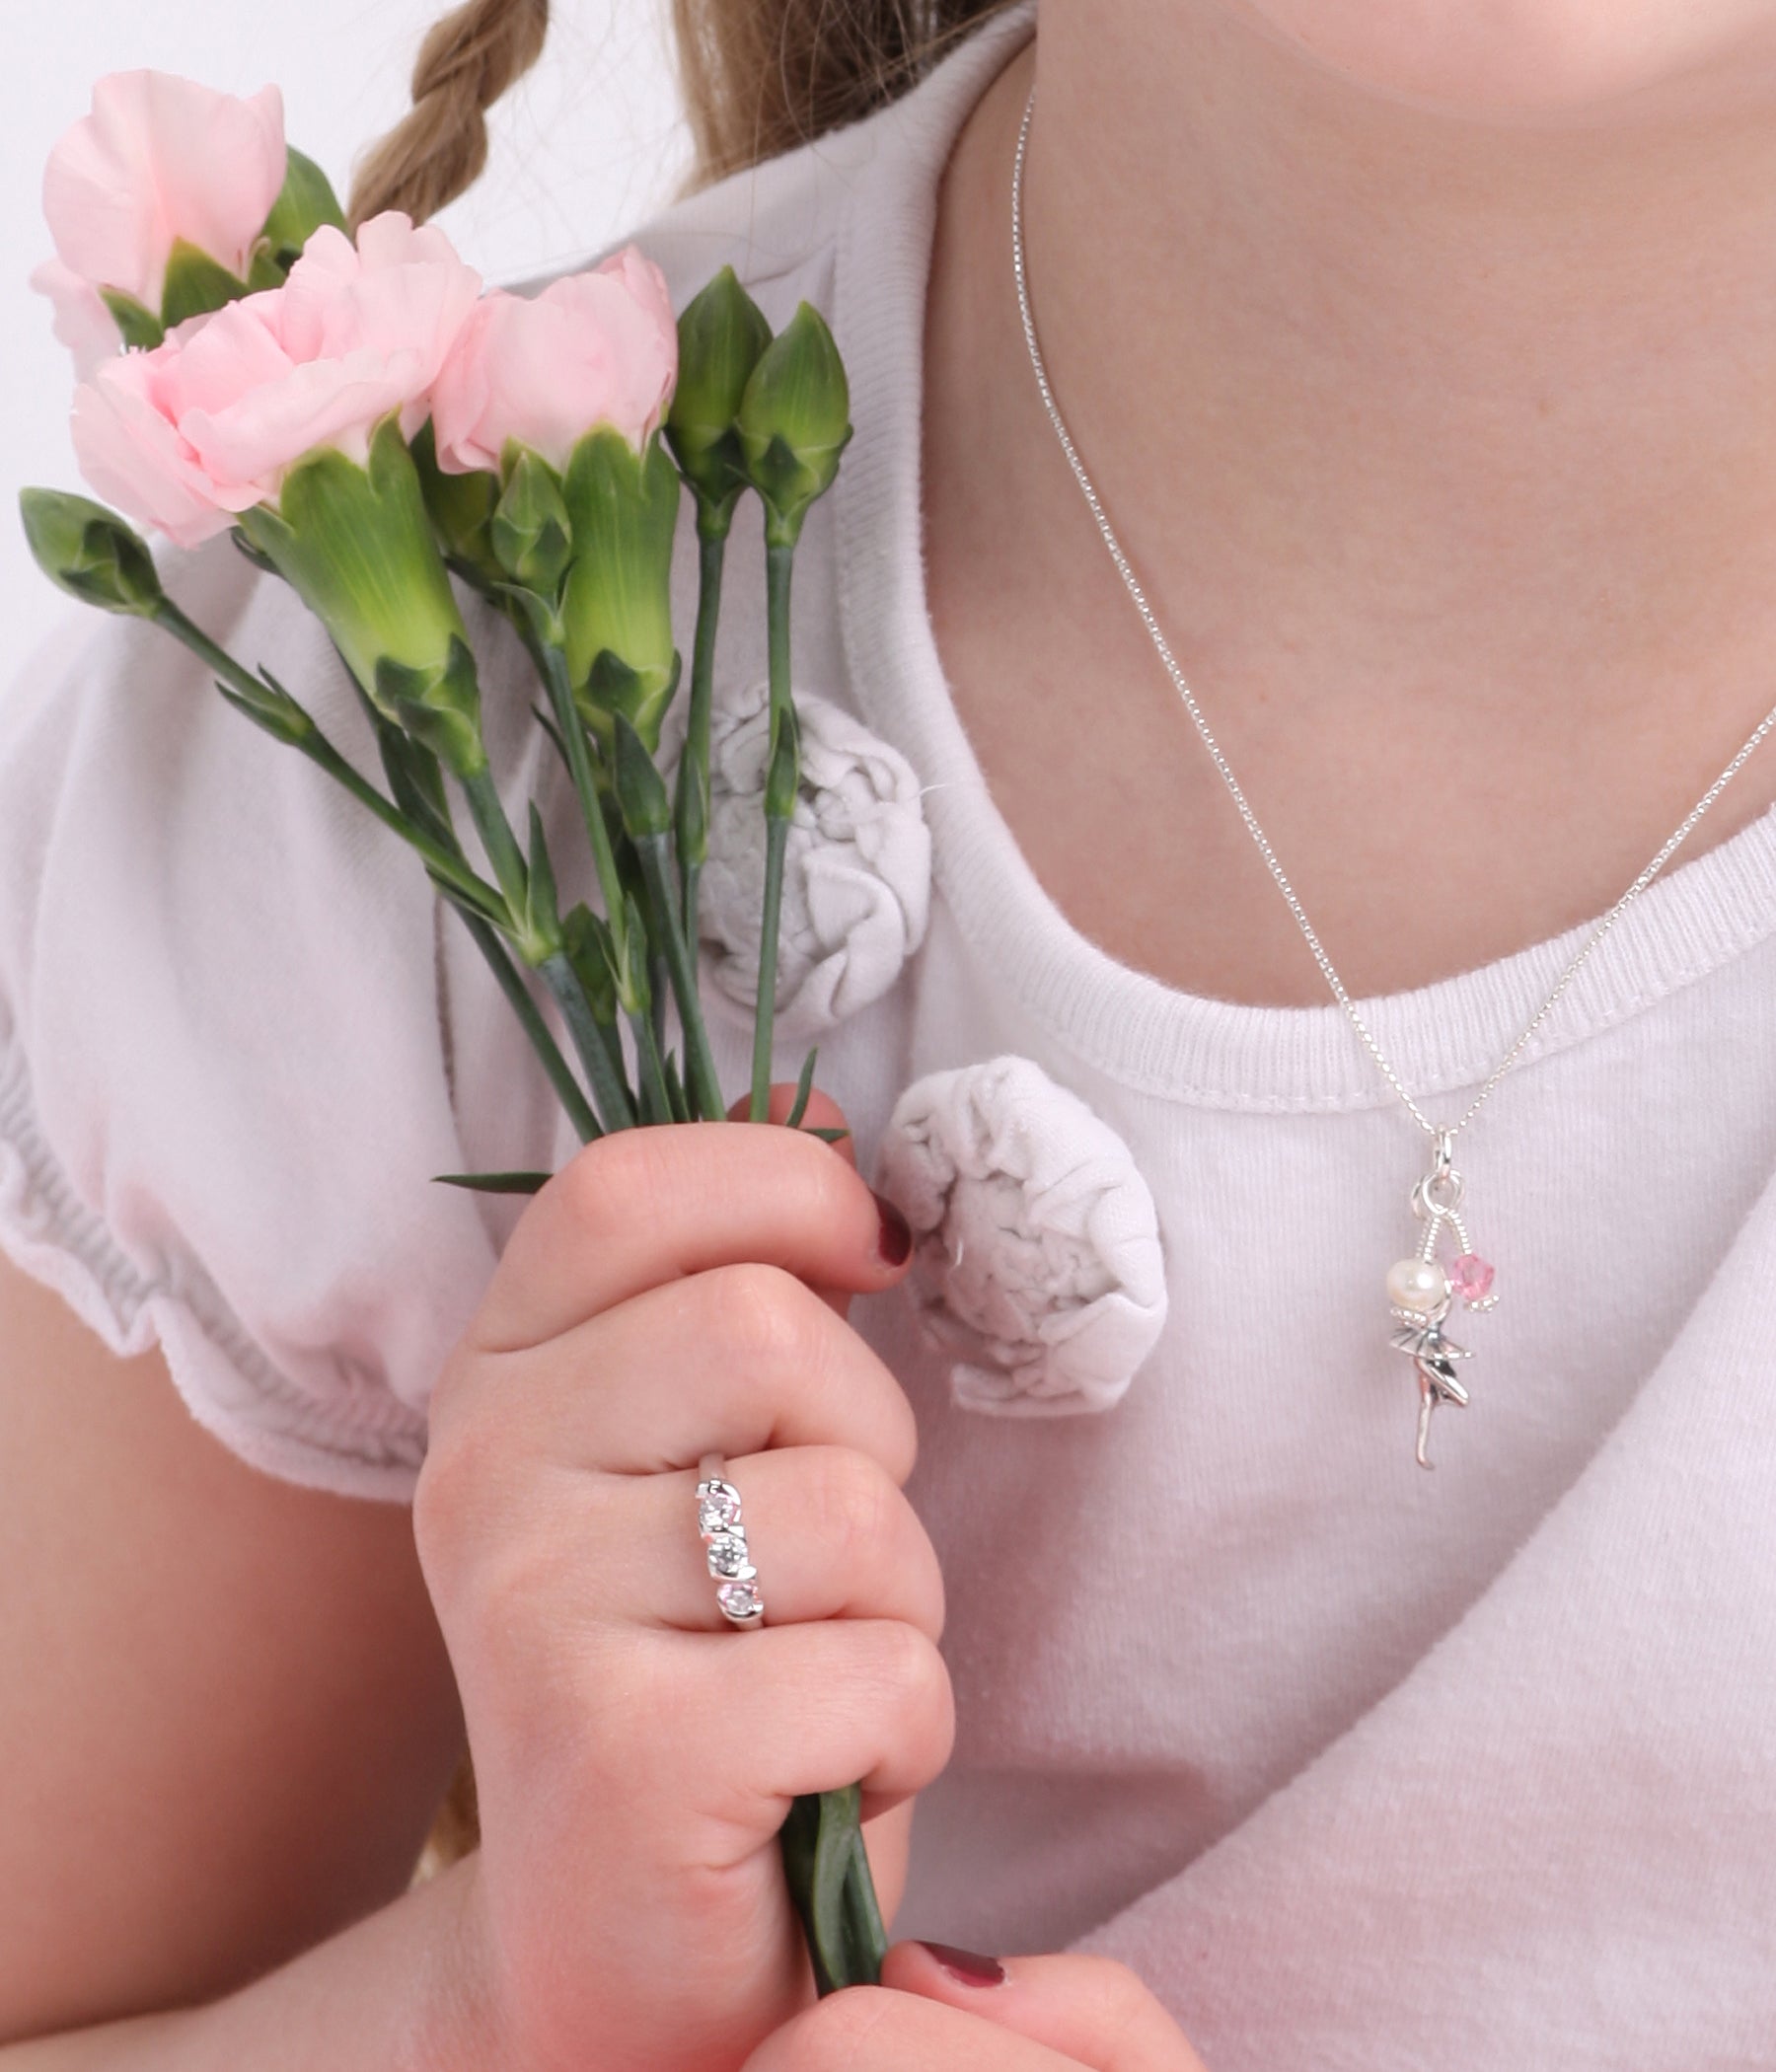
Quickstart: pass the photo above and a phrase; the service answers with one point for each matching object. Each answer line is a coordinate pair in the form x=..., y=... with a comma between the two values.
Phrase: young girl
x=1417, y=362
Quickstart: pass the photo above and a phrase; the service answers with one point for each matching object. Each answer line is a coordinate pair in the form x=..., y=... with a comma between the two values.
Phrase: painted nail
x=894, y=1242
x=968, y=1967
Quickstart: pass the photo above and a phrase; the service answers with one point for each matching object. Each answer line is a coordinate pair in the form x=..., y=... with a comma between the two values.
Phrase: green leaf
x=642, y=796
x=804, y=1087
x=545, y=920
x=590, y=951
x=196, y=284
x=782, y=779
x=304, y=201
x=497, y=1183
x=140, y=326
x=90, y=553
x=828, y=1136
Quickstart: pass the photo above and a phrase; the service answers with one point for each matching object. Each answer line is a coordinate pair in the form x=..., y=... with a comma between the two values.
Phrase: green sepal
x=782, y=779
x=196, y=284
x=794, y=423
x=497, y=1183
x=642, y=796
x=722, y=334
x=439, y=708
x=304, y=201
x=804, y=1088
x=90, y=553
x=617, y=601
x=589, y=950
x=357, y=544
x=531, y=534
x=415, y=779
x=142, y=330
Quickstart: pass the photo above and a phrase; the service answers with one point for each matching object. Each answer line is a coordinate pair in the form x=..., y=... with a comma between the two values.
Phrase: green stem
x=449, y=867
x=512, y=985
x=656, y=1102
x=610, y=1089
x=497, y=839
x=693, y=815
x=703, y=1085
x=778, y=562
x=585, y=785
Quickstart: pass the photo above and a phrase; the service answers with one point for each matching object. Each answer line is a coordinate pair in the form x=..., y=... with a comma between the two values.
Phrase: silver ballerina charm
x=1422, y=1289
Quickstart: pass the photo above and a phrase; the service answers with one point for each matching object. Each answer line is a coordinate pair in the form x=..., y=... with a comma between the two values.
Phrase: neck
x=1416, y=387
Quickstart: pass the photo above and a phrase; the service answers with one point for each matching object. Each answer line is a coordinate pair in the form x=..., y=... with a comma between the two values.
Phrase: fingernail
x=966, y=1967
x=894, y=1242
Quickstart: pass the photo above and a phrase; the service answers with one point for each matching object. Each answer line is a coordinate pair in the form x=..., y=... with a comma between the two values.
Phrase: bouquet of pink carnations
x=367, y=422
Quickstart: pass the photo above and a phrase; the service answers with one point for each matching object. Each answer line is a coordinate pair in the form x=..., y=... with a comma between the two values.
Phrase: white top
x=1360, y=1766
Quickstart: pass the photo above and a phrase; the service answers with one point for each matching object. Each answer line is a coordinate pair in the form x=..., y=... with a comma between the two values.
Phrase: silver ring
x=723, y=1534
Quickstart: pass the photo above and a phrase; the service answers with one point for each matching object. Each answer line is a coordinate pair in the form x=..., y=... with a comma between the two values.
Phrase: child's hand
x=939, y=2011
x=634, y=1754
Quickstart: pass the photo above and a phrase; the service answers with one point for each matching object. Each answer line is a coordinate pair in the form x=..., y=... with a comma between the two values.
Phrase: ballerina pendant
x=1422, y=1289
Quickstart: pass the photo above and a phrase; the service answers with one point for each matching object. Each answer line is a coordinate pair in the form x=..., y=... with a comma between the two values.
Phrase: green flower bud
x=617, y=606
x=640, y=789
x=530, y=533
x=794, y=421
x=89, y=551
x=460, y=508
x=721, y=336
x=356, y=546
x=306, y=201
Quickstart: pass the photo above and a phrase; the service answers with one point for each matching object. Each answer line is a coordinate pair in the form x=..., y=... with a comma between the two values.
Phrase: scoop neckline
x=1442, y=1038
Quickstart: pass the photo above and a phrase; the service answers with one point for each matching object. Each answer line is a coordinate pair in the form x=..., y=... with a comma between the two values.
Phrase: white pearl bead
x=1416, y=1284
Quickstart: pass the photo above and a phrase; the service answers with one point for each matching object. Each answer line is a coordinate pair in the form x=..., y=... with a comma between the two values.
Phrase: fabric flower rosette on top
x=366, y=422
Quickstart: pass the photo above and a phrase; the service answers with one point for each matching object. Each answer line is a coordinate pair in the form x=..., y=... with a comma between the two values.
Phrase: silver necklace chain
x=1444, y=1135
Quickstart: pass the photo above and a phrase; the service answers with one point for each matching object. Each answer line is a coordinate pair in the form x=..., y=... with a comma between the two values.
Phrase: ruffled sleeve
x=224, y=1071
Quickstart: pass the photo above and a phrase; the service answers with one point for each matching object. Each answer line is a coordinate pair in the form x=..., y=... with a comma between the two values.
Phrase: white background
x=583, y=151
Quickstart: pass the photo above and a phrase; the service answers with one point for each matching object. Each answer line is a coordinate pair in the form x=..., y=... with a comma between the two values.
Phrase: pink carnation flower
x=592, y=349
x=159, y=158
x=211, y=422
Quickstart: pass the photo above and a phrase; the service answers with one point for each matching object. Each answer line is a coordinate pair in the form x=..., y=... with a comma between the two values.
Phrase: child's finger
x=1086, y=2008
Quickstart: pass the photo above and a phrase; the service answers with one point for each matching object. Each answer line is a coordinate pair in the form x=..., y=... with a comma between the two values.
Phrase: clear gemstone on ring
x=717, y=1508
x=728, y=1555
x=740, y=1601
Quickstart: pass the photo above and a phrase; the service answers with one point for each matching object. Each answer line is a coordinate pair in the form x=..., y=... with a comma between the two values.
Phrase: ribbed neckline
x=1441, y=1038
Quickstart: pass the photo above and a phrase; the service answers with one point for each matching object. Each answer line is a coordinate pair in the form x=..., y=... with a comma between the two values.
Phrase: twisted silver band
x=723, y=1534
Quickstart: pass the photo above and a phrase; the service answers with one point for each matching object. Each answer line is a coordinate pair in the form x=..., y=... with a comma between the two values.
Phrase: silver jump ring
x=723, y=1534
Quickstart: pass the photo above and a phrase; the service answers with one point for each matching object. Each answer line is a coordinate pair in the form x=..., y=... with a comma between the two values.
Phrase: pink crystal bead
x=1472, y=1278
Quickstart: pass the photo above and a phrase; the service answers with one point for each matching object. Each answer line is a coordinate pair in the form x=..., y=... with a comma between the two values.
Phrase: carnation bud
x=721, y=336
x=460, y=508
x=617, y=605
x=89, y=551
x=529, y=531
x=794, y=420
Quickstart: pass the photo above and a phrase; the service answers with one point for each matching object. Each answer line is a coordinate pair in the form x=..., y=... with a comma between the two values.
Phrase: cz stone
x=740, y=1601
x=728, y=1557
x=718, y=1506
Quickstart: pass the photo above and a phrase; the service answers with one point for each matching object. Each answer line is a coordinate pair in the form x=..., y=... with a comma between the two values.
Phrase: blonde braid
x=467, y=61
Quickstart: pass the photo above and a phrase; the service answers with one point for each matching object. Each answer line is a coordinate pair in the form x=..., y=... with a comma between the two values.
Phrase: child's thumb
x=1088, y=2008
